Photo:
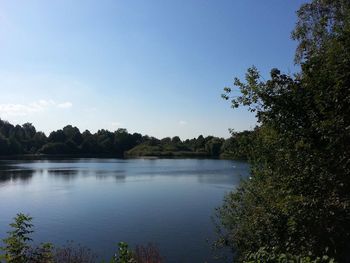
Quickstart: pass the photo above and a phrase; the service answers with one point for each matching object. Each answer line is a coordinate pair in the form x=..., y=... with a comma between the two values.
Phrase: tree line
x=25, y=139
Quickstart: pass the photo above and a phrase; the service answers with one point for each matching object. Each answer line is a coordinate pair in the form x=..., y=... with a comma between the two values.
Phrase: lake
x=99, y=202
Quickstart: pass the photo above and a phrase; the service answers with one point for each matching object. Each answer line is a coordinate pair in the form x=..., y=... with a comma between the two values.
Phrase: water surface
x=99, y=202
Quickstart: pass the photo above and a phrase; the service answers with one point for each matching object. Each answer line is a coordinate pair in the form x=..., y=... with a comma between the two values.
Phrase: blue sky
x=156, y=67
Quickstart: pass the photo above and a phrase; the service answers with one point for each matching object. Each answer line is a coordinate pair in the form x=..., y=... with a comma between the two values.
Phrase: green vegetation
x=18, y=250
x=296, y=205
x=174, y=147
x=25, y=139
x=16, y=246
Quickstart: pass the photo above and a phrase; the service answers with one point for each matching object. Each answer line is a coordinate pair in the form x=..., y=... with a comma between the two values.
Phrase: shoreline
x=107, y=156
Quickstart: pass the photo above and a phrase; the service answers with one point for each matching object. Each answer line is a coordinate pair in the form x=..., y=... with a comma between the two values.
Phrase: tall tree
x=298, y=198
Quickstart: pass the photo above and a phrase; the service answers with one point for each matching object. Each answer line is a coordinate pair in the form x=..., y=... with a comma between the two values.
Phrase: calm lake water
x=99, y=202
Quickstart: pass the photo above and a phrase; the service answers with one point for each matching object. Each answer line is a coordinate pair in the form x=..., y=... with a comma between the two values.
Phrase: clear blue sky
x=156, y=67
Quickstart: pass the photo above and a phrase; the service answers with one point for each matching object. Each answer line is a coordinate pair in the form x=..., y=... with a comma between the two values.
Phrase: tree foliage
x=298, y=198
x=16, y=244
x=69, y=140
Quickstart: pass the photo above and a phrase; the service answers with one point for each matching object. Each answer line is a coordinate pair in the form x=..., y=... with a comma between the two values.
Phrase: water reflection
x=69, y=175
x=24, y=176
x=9, y=174
x=118, y=175
x=99, y=202
x=103, y=169
x=65, y=174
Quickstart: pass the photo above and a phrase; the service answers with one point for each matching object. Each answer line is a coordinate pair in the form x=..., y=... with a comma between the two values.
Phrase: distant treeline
x=17, y=139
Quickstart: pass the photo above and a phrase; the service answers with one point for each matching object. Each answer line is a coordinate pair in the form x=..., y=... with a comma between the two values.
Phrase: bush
x=18, y=250
x=16, y=244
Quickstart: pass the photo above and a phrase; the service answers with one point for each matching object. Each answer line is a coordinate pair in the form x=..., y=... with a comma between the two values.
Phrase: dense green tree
x=18, y=132
x=57, y=137
x=239, y=146
x=153, y=141
x=14, y=146
x=199, y=144
x=72, y=147
x=26, y=140
x=73, y=134
x=124, y=141
x=55, y=148
x=5, y=128
x=175, y=140
x=213, y=146
x=89, y=144
x=137, y=138
x=166, y=140
x=298, y=197
x=105, y=141
x=39, y=139
x=4, y=145
x=29, y=130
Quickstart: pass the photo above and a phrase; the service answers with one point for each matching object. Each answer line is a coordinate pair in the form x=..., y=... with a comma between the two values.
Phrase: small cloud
x=13, y=109
x=16, y=109
x=182, y=123
x=65, y=105
x=41, y=105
